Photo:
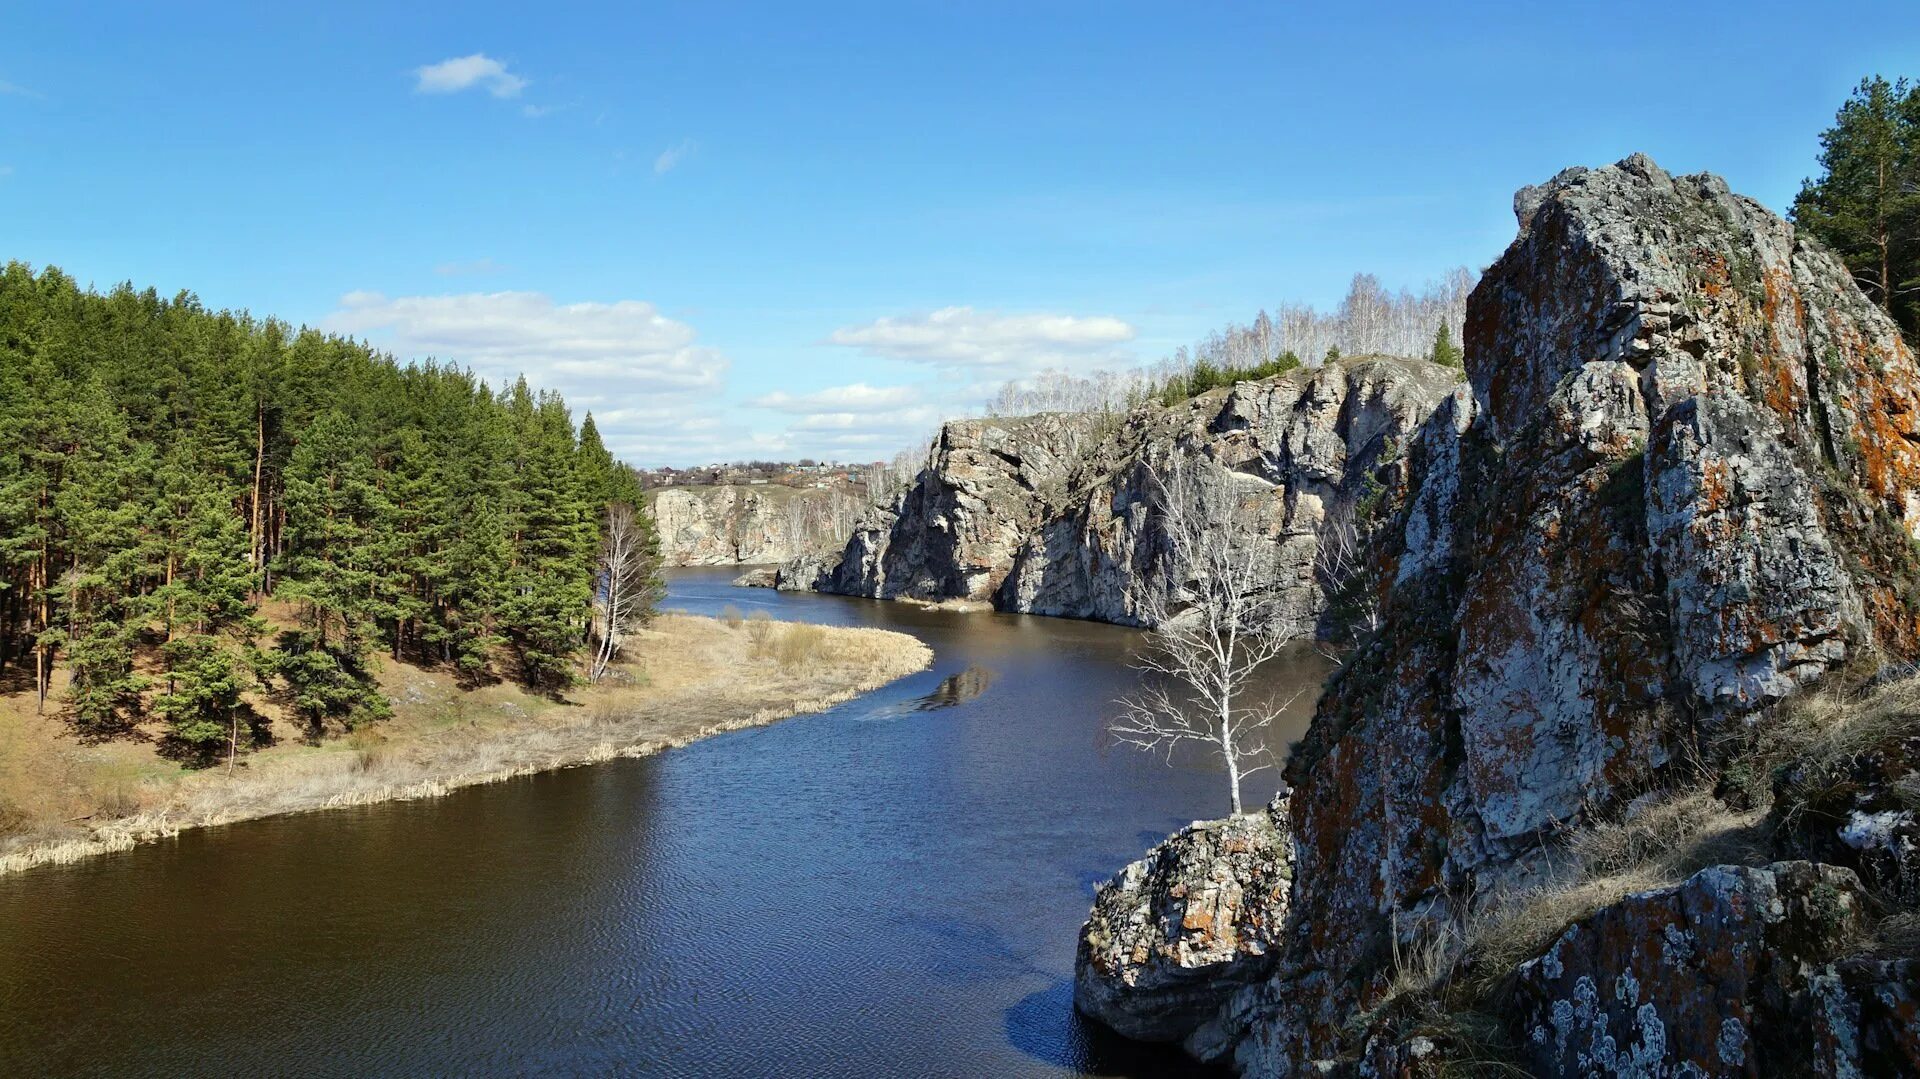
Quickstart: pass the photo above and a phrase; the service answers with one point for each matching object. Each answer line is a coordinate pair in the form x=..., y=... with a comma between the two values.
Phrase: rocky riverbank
x=1620, y=785
x=690, y=678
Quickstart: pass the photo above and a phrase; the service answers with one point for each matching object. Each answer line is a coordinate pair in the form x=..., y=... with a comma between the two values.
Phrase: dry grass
x=1808, y=747
x=1445, y=983
x=690, y=678
x=1659, y=842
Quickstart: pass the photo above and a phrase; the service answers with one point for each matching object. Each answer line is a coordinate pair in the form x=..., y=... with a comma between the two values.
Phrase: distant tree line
x=171, y=476
x=1369, y=321
x=1865, y=204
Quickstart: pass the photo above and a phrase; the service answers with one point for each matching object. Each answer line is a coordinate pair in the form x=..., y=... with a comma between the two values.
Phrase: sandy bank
x=690, y=678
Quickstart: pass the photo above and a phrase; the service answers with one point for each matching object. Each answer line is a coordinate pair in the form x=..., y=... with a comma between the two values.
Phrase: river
x=892, y=887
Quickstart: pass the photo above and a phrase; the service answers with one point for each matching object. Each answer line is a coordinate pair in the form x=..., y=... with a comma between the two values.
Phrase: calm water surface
x=889, y=888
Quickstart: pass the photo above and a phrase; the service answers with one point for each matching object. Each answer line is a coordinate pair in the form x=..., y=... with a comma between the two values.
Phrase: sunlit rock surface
x=1681, y=484
x=734, y=524
x=1175, y=933
x=1052, y=514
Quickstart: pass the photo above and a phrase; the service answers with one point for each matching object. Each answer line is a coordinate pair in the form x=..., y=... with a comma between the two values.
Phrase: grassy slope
x=689, y=678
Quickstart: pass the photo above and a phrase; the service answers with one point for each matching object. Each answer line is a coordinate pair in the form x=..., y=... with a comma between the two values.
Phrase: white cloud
x=672, y=156
x=588, y=351
x=858, y=397
x=467, y=72
x=5, y=171
x=14, y=89
x=961, y=337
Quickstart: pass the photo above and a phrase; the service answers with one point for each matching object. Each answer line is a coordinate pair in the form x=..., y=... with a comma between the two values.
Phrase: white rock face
x=1050, y=514
x=728, y=524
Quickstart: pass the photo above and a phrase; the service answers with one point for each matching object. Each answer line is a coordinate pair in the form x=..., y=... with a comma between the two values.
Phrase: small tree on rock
x=1216, y=625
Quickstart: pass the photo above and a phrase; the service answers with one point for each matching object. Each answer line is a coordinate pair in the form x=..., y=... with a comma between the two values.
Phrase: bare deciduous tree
x=1368, y=320
x=629, y=583
x=1216, y=625
x=1353, y=604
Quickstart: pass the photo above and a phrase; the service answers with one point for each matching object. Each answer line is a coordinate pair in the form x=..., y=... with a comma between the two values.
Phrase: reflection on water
x=892, y=887
x=957, y=689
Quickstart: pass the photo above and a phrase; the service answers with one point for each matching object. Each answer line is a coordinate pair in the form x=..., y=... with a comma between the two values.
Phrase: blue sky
x=739, y=230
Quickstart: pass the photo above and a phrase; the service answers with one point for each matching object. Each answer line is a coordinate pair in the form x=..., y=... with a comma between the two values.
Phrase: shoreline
x=606, y=723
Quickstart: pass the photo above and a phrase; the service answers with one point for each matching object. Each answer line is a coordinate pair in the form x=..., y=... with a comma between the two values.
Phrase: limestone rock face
x=731, y=524
x=953, y=533
x=1682, y=482
x=1730, y=973
x=1051, y=514
x=1177, y=932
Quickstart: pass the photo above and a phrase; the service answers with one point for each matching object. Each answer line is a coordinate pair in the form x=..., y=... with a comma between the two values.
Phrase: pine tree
x=164, y=469
x=545, y=613
x=1445, y=352
x=99, y=592
x=329, y=570
x=1866, y=202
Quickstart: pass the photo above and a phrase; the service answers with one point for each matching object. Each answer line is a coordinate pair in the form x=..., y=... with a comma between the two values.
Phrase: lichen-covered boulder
x=1683, y=482
x=1177, y=932
x=1731, y=973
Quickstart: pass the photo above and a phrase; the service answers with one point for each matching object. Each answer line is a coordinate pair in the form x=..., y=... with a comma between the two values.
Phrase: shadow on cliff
x=1044, y=1026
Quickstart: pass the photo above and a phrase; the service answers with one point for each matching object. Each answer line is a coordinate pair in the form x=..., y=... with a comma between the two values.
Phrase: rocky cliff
x=726, y=524
x=1050, y=514
x=1682, y=484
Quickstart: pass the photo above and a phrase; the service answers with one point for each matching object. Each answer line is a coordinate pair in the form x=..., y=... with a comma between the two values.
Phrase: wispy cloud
x=672, y=156
x=598, y=351
x=649, y=383
x=857, y=398
x=466, y=73
x=14, y=89
x=962, y=338
x=5, y=171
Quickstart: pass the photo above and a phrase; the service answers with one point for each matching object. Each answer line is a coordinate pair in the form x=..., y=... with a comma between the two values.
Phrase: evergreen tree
x=329, y=570
x=164, y=469
x=1866, y=202
x=545, y=612
x=1445, y=352
x=101, y=589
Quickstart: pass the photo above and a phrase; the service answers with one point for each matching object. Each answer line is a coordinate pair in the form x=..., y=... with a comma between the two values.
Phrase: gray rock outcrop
x=1177, y=932
x=1733, y=972
x=1683, y=482
x=1051, y=514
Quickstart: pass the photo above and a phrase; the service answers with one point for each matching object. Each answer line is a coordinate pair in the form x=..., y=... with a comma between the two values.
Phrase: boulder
x=1177, y=932
x=758, y=577
x=1731, y=973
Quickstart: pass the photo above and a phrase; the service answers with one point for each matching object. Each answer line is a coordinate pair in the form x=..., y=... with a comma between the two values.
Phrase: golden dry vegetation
x=687, y=678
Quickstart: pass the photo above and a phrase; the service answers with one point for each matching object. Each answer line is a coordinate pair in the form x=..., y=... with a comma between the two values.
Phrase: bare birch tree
x=629, y=583
x=1216, y=624
x=1346, y=580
